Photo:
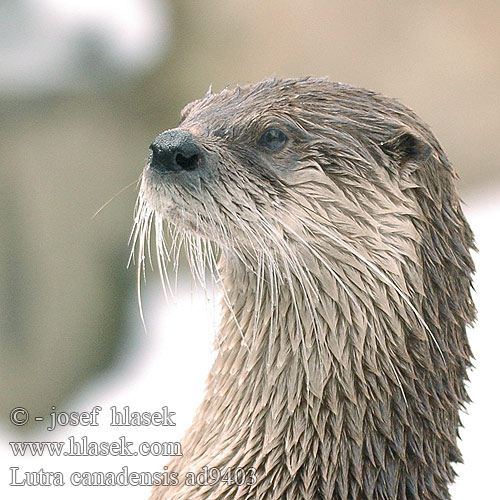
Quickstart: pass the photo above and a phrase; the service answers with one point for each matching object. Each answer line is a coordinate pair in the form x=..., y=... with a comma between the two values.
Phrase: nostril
x=187, y=162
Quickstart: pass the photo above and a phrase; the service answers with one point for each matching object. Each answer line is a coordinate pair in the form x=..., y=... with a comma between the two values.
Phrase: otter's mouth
x=170, y=198
x=183, y=199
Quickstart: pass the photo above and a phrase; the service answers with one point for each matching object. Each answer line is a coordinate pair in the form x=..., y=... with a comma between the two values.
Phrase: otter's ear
x=407, y=147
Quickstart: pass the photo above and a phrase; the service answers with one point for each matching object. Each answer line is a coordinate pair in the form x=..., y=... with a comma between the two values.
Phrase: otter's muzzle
x=174, y=151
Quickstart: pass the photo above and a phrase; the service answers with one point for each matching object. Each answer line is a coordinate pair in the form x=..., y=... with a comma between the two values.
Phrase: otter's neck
x=318, y=392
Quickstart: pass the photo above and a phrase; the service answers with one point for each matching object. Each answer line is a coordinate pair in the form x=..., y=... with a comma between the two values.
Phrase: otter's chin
x=157, y=194
x=172, y=205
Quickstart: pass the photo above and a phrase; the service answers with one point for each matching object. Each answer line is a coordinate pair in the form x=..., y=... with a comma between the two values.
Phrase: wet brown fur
x=345, y=265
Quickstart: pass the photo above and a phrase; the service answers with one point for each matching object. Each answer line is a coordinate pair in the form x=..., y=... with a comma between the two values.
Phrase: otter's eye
x=273, y=139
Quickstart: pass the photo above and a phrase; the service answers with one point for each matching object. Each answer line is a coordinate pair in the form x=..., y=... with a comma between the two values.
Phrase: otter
x=330, y=217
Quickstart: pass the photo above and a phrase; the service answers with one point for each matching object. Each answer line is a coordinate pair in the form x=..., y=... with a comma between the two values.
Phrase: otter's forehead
x=244, y=105
x=310, y=103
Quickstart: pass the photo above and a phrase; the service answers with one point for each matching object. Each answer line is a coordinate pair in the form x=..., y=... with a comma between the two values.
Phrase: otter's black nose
x=173, y=151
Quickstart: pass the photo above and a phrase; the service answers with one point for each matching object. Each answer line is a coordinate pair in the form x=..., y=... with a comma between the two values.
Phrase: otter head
x=278, y=163
x=338, y=206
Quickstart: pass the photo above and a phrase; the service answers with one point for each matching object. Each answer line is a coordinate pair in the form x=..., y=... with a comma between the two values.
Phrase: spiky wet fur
x=345, y=269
